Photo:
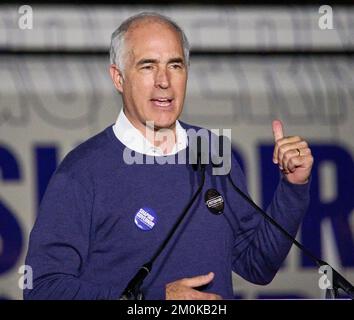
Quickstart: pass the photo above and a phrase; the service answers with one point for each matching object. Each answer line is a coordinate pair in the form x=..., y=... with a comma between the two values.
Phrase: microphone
x=132, y=290
x=196, y=159
x=338, y=281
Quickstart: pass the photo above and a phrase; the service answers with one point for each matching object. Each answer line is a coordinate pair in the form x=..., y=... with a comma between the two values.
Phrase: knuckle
x=287, y=155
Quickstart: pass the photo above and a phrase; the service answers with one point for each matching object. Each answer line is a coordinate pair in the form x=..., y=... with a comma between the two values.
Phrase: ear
x=117, y=77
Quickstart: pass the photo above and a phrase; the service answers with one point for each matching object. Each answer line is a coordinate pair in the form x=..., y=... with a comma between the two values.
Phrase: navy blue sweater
x=85, y=243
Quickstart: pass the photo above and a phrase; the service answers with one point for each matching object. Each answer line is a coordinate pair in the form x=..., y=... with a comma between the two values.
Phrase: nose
x=162, y=80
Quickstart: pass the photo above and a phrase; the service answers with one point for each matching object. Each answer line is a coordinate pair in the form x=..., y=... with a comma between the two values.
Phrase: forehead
x=153, y=37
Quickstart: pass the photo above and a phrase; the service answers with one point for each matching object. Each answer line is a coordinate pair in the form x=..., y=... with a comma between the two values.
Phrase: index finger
x=277, y=127
x=198, y=280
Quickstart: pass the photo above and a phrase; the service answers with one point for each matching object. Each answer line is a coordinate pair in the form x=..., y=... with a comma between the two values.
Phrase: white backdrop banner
x=207, y=27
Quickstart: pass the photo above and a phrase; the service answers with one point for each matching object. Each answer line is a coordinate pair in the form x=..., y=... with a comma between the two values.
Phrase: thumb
x=198, y=280
x=277, y=127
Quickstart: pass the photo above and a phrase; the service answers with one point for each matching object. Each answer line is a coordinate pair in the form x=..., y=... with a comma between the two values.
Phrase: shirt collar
x=132, y=138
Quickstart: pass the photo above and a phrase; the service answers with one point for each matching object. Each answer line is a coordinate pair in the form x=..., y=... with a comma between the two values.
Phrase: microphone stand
x=133, y=289
x=337, y=281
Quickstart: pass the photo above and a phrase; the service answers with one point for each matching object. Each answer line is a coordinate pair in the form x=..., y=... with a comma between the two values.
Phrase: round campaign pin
x=145, y=219
x=214, y=201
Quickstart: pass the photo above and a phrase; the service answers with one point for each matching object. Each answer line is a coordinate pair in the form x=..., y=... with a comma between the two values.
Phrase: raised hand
x=292, y=154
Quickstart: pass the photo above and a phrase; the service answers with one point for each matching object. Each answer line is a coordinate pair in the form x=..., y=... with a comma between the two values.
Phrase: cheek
x=143, y=83
x=181, y=82
x=142, y=87
x=181, y=88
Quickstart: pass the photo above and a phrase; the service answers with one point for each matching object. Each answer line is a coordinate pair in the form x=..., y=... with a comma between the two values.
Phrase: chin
x=164, y=124
x=164, y=121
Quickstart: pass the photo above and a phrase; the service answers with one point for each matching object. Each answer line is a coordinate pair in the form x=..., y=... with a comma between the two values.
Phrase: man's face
x=154, y=81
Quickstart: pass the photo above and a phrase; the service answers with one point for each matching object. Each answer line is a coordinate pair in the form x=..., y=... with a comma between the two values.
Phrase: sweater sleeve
x=60, y=243
x=260, y=248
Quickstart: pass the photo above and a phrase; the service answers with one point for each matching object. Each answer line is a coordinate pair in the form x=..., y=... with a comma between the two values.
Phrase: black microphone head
x=219, y=152
x=198, y=154
x=221, y=156
x=196, y=159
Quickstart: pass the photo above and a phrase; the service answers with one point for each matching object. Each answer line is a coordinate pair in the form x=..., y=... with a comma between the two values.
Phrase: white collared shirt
x=132, y=138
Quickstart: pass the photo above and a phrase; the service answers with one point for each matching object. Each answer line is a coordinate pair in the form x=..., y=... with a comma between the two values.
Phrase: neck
x=163, y=138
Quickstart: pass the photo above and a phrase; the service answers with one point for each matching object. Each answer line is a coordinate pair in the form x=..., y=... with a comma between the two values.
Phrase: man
x=101, y=219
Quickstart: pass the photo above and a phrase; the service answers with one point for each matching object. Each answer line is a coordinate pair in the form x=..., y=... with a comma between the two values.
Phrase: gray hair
x=117, y=38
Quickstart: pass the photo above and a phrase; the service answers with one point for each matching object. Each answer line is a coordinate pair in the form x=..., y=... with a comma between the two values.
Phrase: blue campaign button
x=145, y=219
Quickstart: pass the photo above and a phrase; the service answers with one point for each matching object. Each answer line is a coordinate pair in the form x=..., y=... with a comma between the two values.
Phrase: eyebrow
x=172, y=60
x=144, y=61
x=176, y=60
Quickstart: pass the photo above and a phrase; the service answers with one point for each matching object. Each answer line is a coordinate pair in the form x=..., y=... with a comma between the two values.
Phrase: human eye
x=177, y=65
x=147, y=67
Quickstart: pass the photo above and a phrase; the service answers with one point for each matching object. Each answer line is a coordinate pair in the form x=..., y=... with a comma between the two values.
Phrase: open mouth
x=162, y=102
